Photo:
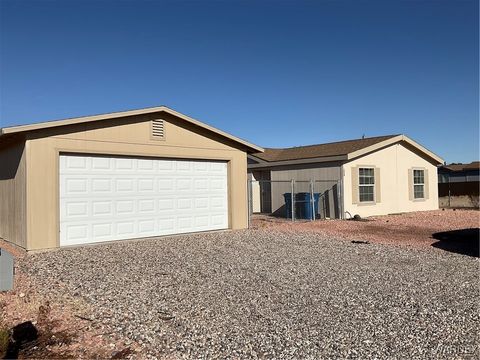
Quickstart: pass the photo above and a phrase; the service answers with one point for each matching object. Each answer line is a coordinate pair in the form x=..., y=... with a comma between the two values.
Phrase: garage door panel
x=202, y=220
x=76, y=185
x=184, y=165
x=146, y=206
x=111, y=198
x=102, y=208
x=166, y=225
x=184, y=184
x=200, y=166
x=102, y=163
x=166, y=184
x=125, y=229
x=202, y=203
x=146, y=185
x=102, y=230
x=77, y=163
x=125, y=207
x=218, y=220
x=100, y=185
x=77, y=232
x=125, y=185
x=125, y=164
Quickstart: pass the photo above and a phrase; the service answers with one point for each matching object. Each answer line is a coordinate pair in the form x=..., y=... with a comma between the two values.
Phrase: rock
x=122, y=354
x=20, y=335
x=24, y=333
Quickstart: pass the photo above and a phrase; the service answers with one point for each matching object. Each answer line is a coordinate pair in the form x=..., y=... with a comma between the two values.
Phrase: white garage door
x=104, y=198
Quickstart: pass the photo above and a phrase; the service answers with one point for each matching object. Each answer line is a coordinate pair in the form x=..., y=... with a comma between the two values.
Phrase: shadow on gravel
x=464, y=241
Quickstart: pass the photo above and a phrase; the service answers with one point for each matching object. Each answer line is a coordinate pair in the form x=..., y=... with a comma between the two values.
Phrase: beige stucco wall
x=12, y=194
x=126, y=136
x=394, y=163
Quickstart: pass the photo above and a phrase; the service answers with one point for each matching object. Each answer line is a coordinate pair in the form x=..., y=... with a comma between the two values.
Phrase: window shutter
x=354, y=185
x=378, y=192
x=410, y=184
x=425, y=178
x=158, y=131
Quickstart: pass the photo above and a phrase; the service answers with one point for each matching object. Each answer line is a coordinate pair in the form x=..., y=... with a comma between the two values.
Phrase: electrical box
x=6, y=270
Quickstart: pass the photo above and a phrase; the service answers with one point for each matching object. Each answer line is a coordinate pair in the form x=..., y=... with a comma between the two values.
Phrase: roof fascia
x=87, y=119
x=298, y=161
x=257, y=159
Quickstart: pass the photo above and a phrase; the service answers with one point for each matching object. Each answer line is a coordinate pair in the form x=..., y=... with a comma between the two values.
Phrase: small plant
x=43, y=317
x=4, y=340
x=4, y=333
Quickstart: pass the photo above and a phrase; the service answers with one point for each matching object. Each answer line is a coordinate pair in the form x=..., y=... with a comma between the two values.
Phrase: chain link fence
x=295, y=200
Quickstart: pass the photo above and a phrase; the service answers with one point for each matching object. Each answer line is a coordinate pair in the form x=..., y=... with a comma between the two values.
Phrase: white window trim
x=370, y=202
x=413, y=184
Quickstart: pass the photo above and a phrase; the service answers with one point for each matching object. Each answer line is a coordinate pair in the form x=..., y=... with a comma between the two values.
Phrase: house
x=458, y=185
x=459, y=173
x=121, y=175
x=368, y=176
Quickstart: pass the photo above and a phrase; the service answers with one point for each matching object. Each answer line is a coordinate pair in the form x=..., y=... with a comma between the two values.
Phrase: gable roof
x=86, y=119
x=335, y=151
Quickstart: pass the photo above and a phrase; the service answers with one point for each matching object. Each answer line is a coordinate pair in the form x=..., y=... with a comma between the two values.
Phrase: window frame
x=423, y=184
x=372, y=185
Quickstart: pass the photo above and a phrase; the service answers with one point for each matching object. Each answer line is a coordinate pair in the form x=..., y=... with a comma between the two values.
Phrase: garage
x=105, y=198
x=117, y=176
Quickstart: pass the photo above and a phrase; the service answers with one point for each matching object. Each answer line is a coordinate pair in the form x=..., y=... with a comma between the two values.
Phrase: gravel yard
x=417, y=229
x=272, y=294
x=61, y=334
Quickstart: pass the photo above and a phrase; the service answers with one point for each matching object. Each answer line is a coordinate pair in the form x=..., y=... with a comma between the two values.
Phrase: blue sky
x=276, y=73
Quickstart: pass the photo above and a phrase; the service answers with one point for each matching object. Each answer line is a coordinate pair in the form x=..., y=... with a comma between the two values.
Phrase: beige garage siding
x=125, y=136
x=12, y=194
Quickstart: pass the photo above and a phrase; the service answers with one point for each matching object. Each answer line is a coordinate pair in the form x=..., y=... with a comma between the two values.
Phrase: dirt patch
x=65, y=330
x=410, y=229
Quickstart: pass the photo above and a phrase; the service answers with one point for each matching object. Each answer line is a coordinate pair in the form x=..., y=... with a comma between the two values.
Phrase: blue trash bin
x=303, y=205
x=288, y=205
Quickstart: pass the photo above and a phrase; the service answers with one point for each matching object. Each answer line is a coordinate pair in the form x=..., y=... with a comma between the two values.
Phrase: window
x=366, y=184
x=418, y=184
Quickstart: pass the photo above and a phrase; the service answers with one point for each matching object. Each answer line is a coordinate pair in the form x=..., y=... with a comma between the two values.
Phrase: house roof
x=474, y=165
x=86, y=119
x=320, y=150
x=341, y=150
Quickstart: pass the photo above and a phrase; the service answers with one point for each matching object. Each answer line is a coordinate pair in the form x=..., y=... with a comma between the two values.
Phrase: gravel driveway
x=272, y=294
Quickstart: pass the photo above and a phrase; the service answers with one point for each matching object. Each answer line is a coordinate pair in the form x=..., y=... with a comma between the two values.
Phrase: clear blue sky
x=276, y=73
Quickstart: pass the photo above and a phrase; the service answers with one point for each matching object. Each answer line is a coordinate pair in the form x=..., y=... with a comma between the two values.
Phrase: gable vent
x=158, y=131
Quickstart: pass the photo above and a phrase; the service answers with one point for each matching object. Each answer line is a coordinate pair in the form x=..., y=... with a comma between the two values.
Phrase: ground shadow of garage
x=463, y=241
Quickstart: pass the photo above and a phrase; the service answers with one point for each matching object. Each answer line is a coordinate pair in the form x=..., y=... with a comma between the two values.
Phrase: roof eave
x=267, y=164
x=86, y=119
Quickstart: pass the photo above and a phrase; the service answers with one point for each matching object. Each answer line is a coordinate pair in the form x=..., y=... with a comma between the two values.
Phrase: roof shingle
x=319, y=150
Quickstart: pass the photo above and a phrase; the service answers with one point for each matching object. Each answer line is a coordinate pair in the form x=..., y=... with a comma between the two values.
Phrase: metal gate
x=295, y=200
